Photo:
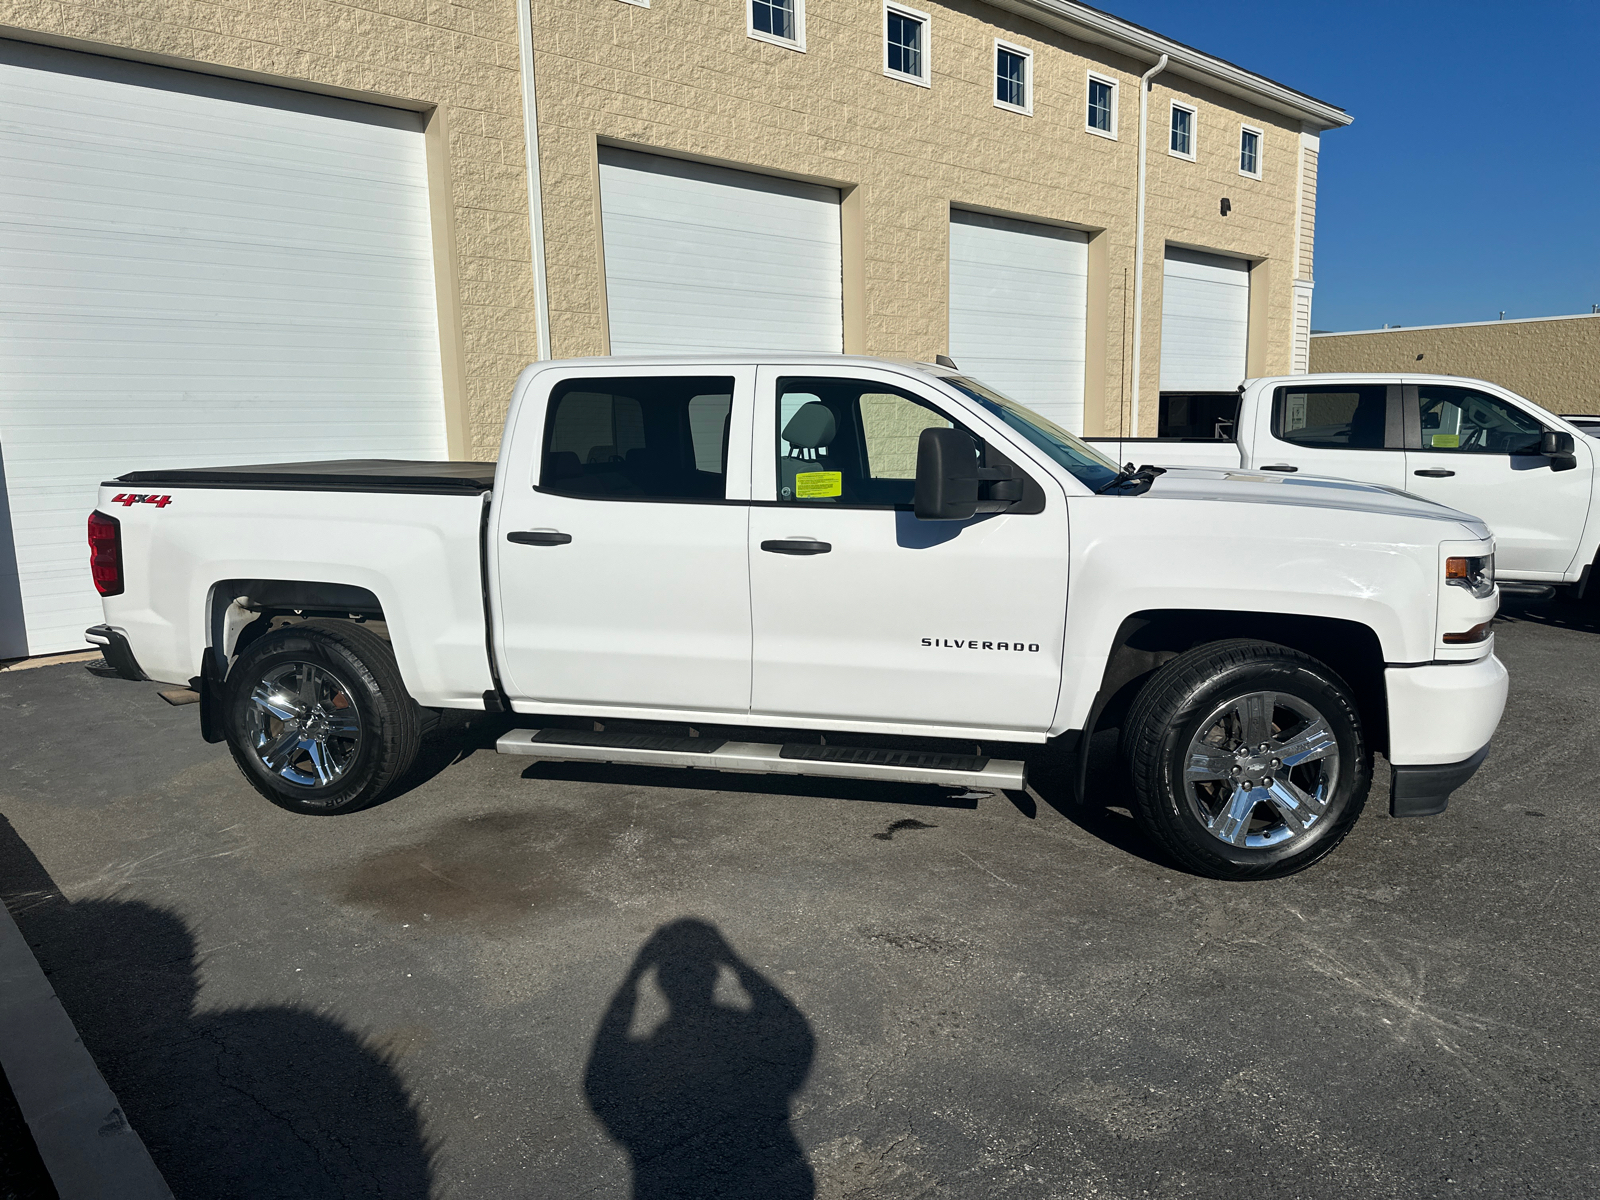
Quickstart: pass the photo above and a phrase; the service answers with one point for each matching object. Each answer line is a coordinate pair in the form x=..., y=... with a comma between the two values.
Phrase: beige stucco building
x=1553, y=361
x=341, y=229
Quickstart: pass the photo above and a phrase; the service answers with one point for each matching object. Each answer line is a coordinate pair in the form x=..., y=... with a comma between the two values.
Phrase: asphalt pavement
x=571, y=981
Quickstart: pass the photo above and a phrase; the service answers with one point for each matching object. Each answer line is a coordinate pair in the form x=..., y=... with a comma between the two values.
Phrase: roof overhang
x=1102, y=29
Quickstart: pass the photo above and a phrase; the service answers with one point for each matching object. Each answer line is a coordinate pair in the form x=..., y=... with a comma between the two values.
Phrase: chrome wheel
x=1261, y=770
x=303, y=724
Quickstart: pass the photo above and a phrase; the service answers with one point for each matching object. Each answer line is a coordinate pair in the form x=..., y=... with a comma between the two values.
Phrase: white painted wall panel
x=1019, y=310
x=195, y=271
x=702, y=258
x=1205, y=322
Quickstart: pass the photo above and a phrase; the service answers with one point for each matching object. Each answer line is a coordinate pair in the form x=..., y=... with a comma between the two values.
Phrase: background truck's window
x=1462, y=421
x=1339, y=416
x=1205, y=416
x=663, y=438
x=850, y=442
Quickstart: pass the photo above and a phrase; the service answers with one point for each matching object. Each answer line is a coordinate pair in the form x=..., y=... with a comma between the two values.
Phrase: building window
x=1250, y=151
x=782, y=22
x=905, y=40
x=1013, y=78
x=1182, y=144
x=1102, y=118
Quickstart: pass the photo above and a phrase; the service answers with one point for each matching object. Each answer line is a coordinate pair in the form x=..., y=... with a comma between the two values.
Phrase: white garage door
x=1205, y=322
x=193, y=271
x=702, y=258
x=1018, y=310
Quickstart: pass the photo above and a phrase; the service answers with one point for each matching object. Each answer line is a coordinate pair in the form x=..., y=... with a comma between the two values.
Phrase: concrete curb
x=87, y=1145
x=48, y=660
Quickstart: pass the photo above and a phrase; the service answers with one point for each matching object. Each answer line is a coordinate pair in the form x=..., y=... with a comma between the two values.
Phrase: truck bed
x=1170, y=452
x=341, y=475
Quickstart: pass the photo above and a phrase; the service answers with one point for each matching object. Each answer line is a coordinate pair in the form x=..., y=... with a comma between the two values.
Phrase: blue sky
x=1470, y=181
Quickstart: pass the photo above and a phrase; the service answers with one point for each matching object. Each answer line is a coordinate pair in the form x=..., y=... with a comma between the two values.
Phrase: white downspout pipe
x=530, y=126
x=1138, y=236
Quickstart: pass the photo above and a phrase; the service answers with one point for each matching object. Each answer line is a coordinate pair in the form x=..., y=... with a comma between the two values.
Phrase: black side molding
x=118, y=654
x=1425, y=791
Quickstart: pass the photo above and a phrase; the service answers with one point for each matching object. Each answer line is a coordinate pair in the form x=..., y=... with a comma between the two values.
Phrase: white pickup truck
x=820, y=566
x=1472, y=445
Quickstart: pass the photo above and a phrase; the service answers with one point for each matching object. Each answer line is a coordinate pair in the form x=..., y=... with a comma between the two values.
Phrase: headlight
x=1474, y=574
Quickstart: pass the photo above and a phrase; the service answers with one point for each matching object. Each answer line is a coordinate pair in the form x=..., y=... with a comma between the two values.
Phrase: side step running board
x=715, y=754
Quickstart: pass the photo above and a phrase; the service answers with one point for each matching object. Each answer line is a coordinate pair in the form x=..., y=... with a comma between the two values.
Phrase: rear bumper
x=1424, y=791
x=118, y=654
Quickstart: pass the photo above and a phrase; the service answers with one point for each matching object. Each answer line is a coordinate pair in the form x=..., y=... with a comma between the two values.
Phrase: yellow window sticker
x=816, y=485
x=1447, y=441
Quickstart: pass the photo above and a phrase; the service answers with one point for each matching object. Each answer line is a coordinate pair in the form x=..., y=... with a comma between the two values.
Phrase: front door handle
x=796, y=546
x=1434, y=473
x=538, y=537
x=1279, y=467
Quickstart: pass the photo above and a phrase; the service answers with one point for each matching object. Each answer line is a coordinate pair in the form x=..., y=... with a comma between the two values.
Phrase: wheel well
x=1145, y=641
x=244, y=609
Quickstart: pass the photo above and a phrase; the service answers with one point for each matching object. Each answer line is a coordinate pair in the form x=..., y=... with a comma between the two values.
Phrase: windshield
x=1087, y=465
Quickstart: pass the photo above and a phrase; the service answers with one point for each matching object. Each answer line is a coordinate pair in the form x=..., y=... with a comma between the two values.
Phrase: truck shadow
x=810, y=787
x=457, y=738
x=701, y=1100
x=1104, y=812
x=266, y=1100
x=1557, y=613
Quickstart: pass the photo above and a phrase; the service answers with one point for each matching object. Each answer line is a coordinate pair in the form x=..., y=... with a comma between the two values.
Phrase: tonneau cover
x=341, y=475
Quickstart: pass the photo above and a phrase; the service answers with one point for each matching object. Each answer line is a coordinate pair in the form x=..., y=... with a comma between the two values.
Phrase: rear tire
x=318, y=718
x=1247, y=759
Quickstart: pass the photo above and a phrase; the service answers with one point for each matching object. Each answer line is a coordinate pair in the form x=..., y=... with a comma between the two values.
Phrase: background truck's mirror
x=1559, y=449
x=947, y=476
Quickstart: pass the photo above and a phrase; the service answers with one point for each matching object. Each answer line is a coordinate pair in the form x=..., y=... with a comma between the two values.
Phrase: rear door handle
x=1280, y=467
x=1434, y=473
x=538, y=537
x=796, y=546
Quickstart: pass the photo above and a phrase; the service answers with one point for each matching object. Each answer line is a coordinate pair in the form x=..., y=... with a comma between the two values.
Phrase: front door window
x=1464, y=421
x=850, y=442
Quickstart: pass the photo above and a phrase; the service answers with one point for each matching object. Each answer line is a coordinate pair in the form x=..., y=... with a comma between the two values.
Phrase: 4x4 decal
x=128, y=499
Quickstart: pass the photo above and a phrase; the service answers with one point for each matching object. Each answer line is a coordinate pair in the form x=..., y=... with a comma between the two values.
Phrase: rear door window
x=1337, y=416
x=663, y=438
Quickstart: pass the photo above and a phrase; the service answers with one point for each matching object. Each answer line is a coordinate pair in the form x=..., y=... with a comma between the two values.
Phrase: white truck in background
x=1471, y=445
x=820, y=565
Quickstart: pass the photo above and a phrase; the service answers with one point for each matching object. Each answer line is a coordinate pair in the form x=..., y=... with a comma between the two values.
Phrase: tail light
x=105, y=553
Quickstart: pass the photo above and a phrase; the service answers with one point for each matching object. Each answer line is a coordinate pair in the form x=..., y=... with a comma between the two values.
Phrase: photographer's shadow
x=701, y=1102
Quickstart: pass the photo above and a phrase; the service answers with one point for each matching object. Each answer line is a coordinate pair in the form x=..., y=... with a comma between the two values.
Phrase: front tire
x=318, y=718
x=1247, y=759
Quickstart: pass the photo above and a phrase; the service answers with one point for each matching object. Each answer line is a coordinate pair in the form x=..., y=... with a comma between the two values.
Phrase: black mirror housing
x=1559, y=449
x=947, y=476
x=1552, y=444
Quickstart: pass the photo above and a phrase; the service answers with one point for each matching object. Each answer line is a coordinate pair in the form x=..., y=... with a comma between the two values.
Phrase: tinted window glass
x=847, y=441
x=1467, y=422
x=1203, y=415
x=638, y=439
x=1344, y=417
x=1086, y=464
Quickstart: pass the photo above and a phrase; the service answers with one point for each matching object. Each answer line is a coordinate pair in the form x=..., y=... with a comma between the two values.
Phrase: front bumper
x=1424, y=791
x=1441, y=717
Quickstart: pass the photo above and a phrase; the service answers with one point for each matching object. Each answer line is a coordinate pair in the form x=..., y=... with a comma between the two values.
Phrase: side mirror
x=1559, y=449
x=947, y=476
